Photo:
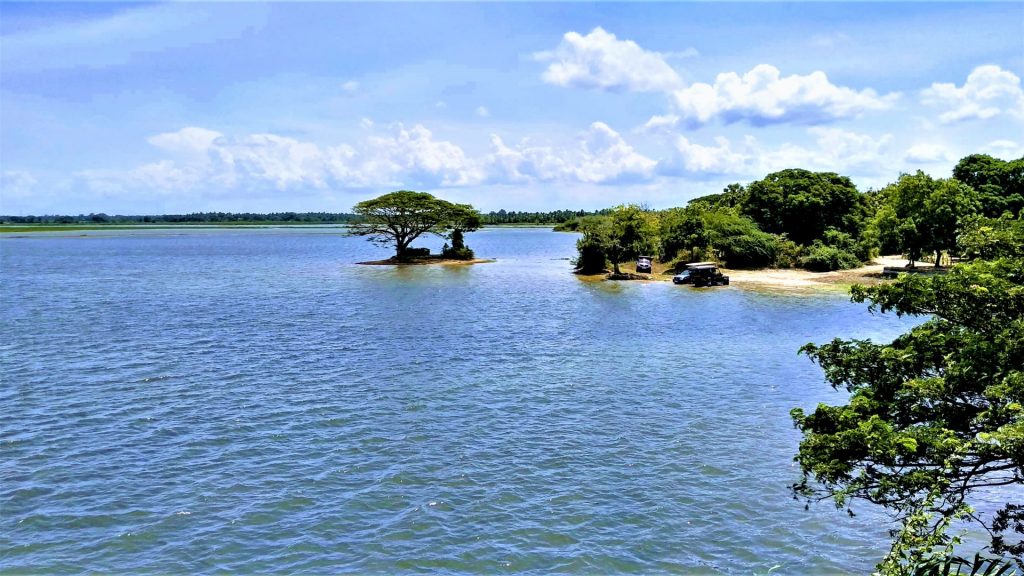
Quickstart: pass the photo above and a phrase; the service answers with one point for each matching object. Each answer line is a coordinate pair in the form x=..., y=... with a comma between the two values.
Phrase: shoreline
x=790, y=279
x=427, y=262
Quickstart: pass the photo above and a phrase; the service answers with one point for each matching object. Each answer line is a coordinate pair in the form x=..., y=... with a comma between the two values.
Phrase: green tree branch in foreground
x=935, y=418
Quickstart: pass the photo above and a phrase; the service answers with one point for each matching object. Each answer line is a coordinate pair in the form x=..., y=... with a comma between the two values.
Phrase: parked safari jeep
x=643, y=264
x=701, y=274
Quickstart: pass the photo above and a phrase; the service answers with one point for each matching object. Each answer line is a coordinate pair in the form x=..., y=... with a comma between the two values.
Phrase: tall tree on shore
x=398, y=218
x=924, y=214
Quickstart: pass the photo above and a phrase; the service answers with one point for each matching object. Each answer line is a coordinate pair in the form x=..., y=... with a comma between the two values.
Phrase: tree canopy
x=629, y=231
x=935, y=417
x=398, y=218
x=999, y=183
x=920, y=214
x=803, y=204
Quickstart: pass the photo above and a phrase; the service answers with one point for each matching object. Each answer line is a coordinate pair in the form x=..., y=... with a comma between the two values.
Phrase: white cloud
x=203, y=161
x=608, y=158
x=524, y=163
x=602, y=157
x=1005, y=149
x=927, y=153
x=260, y=163
x=350, y=87
x=848, y=149
x=482, y=111
x=600, y=60
x=189, y=141
x=413, y=155
x=660, y=124
x=703, y=161
x=763, y=96
x=988, y=91
x=834, y=150
x=16, y=184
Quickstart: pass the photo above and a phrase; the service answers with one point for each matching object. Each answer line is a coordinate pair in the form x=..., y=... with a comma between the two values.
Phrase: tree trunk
x=938, y=258
x=400, y=246
x=615, y=266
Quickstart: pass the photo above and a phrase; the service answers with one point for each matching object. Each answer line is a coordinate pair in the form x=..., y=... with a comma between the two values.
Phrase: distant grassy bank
x=18, y=228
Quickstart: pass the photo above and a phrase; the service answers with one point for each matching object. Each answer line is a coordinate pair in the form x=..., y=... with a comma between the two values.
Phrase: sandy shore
x=793, y=279
x=796, y=279
x=426, y=261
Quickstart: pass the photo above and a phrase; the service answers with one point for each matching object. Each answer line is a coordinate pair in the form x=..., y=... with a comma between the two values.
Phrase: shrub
x=787, y=252
x=592, y=257
x=751, y=250
x=417, y=252
x=822, y=258
x=464, y=253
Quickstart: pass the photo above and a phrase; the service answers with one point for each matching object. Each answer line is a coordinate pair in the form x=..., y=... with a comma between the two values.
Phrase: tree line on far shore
x=487, y=218
x=813, y=220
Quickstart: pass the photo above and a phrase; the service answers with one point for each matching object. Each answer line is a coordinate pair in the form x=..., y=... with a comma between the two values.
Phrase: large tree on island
x=398, y=218
x=935, y=422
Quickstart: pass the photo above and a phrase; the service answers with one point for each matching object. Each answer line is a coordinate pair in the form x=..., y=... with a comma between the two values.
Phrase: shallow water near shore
x=254, y=401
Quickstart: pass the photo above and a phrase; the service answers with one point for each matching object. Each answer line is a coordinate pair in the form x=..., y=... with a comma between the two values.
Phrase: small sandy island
x=425, y=261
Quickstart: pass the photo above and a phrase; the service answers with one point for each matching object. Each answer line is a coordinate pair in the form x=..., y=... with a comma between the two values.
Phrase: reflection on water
x=253, y=401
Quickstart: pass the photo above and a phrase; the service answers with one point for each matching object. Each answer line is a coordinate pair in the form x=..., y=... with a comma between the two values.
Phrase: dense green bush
x=823, y=258
x=787, y=252
x=592, y=257
x=752, y=250
x=463, y=253
x=417, y=252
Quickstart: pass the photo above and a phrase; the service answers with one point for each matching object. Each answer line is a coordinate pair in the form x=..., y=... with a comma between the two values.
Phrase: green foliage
x=803, y=204
x=521, y=217
x=1000, y=184
x=457, y=253
x=635, y=232
x=398, y=218
x=571, y=225
x=836, y=250
x=732, y=196
x=738, y=240
x=628, y=232
x=682, y=229
x=458, y=250
x=787, y=252
x=751, y=250
x=820, y=257
x=950, y=565
x=934, y=417
x=990, y=238
x=593, y=247
x=921, y=214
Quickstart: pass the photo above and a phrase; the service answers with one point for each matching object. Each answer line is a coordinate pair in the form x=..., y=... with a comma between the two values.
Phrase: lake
x=251, y=400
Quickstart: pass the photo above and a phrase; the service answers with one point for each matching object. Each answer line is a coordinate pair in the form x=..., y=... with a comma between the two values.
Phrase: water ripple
x=248, y=401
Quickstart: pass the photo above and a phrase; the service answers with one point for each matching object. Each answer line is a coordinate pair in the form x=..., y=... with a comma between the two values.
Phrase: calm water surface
x=253, y=401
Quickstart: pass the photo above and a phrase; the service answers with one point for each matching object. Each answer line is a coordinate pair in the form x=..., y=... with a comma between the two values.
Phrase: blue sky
x=158, y=108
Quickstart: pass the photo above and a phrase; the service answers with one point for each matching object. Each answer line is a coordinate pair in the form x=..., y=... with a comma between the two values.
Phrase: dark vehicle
x=686, y=276
x=643, y=264
x=702, y=274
